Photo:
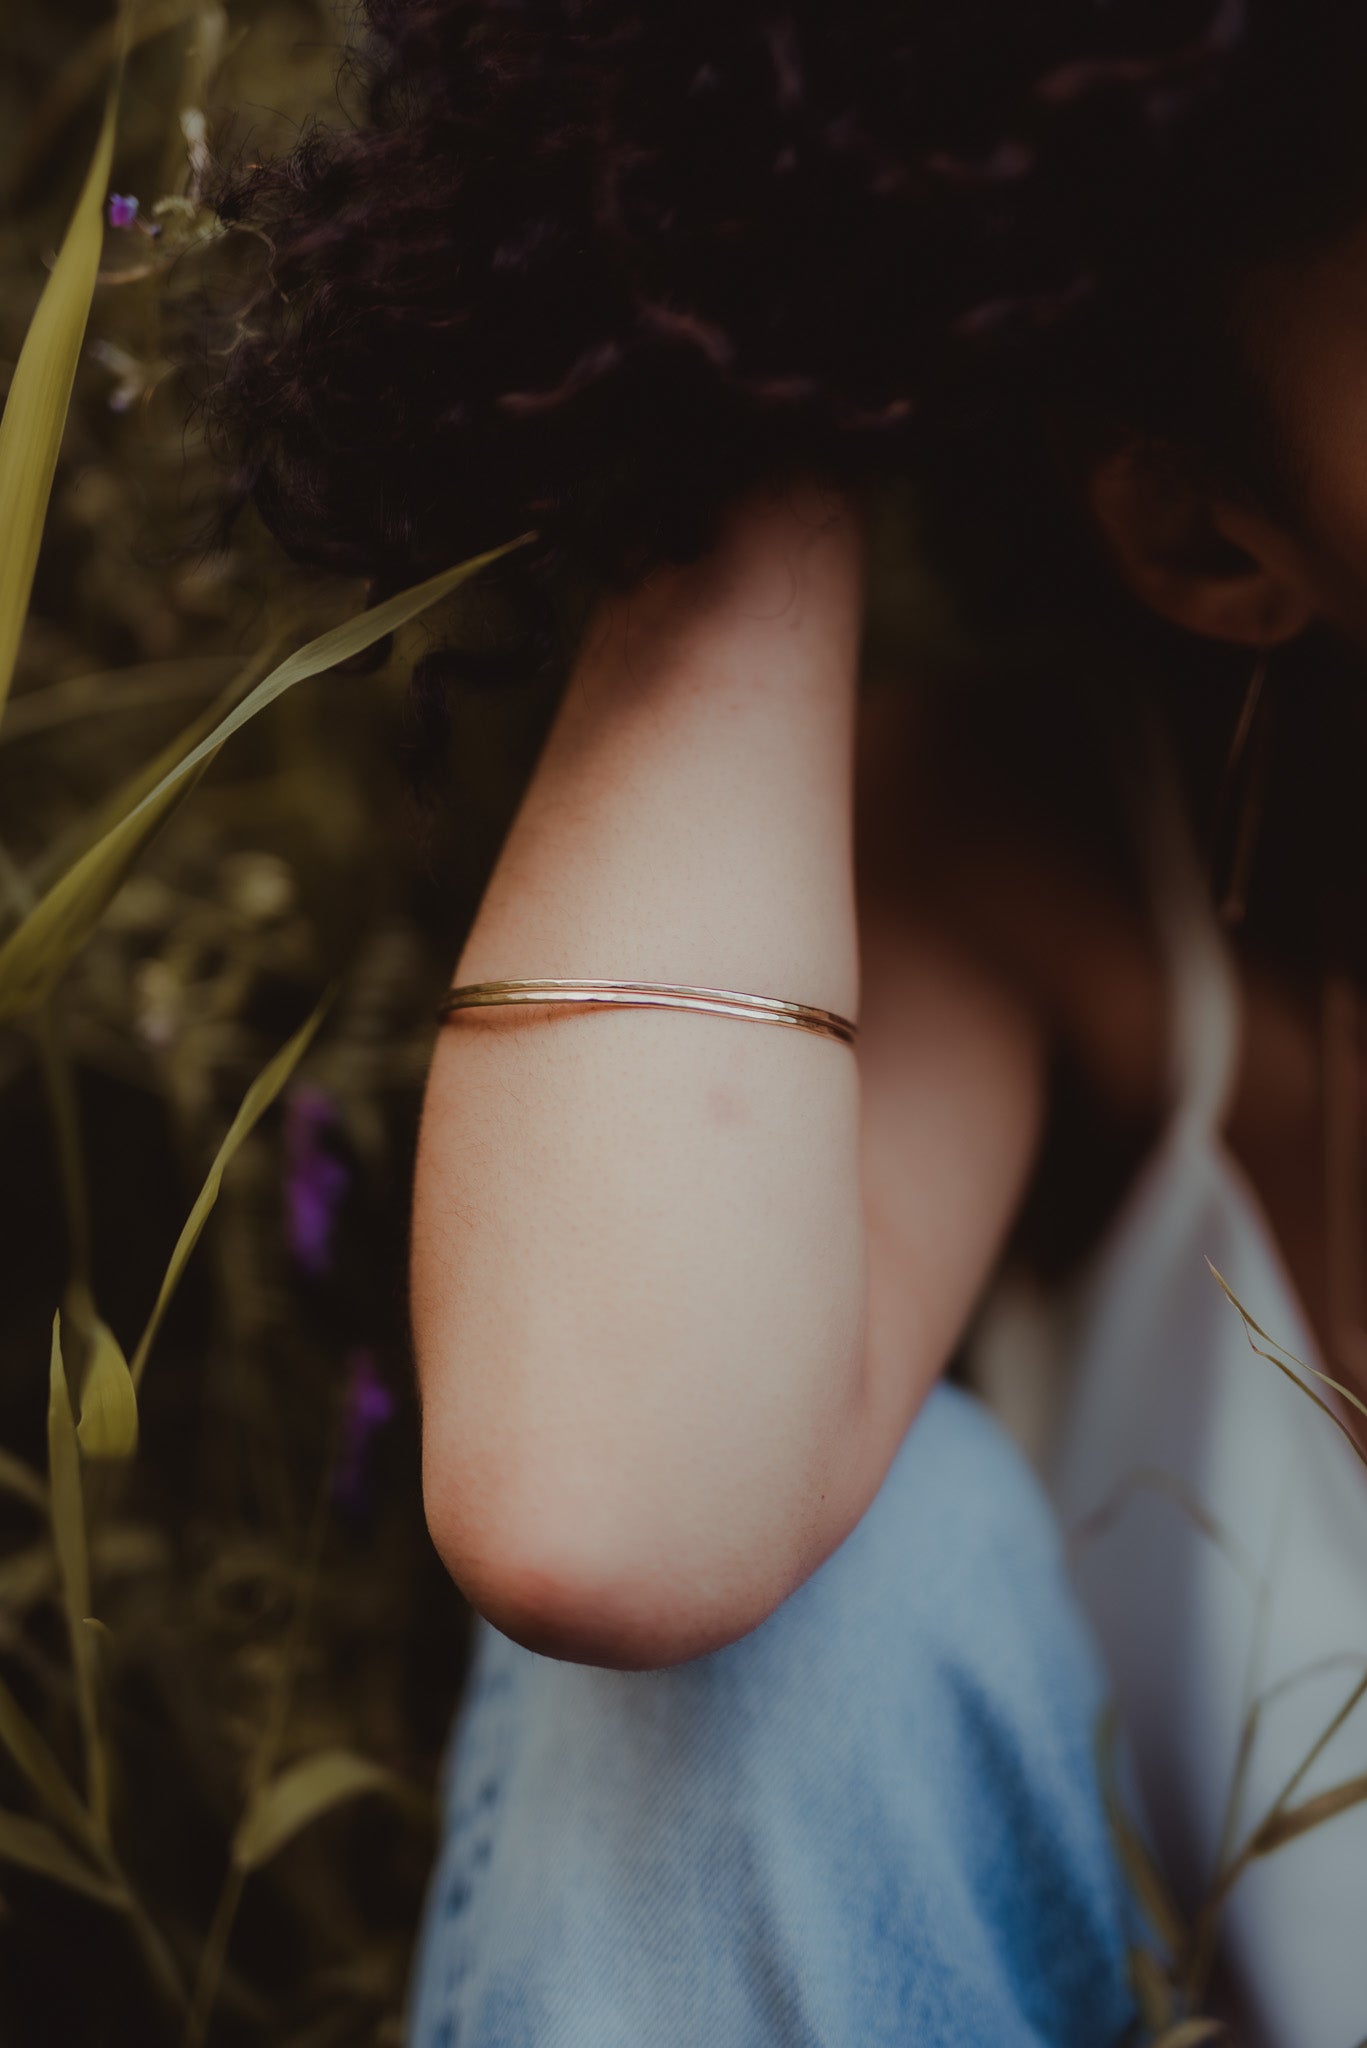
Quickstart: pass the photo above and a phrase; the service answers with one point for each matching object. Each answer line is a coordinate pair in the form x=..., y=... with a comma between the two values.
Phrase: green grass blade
x=108, y=812
x=19, y=1479
x=1311, y=1395
x=41, y=1767
x=1232, y=1298
x=30, y=1843
x=40, y=393
x=1346, y=1393
x=1153, y=1990
x=26, y=1577
x=36, y=954
x=111, y=693
x=341, y=643
x=301, y=1795
x=1153, y=1479
x=68, y=1531
x=77, y=79
x=1146, y=1881
x=1293, y=1821
x=255, y=1102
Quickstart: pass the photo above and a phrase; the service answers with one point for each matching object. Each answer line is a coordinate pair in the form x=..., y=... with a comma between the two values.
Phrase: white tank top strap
x=1205, y=1009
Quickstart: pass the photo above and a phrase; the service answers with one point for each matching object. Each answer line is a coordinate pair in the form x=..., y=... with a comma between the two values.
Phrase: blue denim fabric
x=873, y=1820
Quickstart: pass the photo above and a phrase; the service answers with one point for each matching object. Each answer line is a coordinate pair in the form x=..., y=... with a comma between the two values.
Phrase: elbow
x=568, y=1590
x=547, y=1607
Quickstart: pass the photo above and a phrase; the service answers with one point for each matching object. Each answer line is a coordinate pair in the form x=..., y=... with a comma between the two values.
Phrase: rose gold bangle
x=651, y=995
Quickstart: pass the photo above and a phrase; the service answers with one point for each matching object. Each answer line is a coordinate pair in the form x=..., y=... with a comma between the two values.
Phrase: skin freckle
x=727, y=1105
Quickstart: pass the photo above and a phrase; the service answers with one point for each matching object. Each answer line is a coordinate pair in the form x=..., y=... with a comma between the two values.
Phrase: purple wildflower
x=315, y=1178
x=123, y=209
x=369, y=1405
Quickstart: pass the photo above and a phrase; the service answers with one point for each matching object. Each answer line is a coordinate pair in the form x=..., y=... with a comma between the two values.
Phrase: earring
x=1239, y=802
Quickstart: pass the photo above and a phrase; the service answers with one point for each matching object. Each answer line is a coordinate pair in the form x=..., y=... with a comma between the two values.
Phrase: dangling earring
x=1239, y=803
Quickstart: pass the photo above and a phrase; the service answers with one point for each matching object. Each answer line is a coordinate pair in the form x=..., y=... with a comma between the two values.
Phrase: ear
x=1199, y=558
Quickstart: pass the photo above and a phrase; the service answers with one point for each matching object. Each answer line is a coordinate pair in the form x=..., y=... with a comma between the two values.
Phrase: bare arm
x=952, y=1063
x=655, y=1393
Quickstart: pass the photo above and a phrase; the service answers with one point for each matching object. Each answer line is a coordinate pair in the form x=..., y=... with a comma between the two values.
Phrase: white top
x=1167, y=1402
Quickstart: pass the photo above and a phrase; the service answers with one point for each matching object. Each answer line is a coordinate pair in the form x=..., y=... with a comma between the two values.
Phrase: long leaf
x=108, y=812
x=299, y=1796
x=40, y=393
x=255, y=1102
x=1153, y=1988
x=1309, y=1392
x=1153, y=1479
x=77, y=79
x=68, y=1530
x=19, y=1479
x=1347, y=1394
x=40, y=1766
x=26, y=1577
x=1146, y=1880
x=111, y=693
x=1292, y=1821
x=34, y=1846
x=37, y=952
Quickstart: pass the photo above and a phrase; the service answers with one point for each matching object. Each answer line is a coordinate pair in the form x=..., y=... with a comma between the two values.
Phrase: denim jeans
x=873, y=1820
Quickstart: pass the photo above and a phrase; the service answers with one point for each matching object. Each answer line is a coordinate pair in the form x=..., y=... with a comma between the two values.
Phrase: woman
x=780, y=1727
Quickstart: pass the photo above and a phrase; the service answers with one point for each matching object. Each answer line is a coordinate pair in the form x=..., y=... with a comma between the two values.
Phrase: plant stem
x=263, y=1761
x=1203, y=1942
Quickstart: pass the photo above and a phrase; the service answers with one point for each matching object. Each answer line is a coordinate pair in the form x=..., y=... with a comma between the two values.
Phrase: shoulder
x=967, y=853
x=954, y=827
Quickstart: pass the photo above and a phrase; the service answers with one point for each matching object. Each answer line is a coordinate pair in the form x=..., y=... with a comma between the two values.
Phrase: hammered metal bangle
x=651, y=995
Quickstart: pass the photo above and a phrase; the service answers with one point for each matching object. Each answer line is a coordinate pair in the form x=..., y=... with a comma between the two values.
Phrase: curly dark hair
x=592, y=267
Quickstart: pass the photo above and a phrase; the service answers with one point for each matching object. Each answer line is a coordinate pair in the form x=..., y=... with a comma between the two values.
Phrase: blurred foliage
x=216, y=1794
x=228, y=1655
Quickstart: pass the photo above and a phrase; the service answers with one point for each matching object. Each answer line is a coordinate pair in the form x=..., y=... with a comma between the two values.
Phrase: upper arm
x=644, y=1483
x=950, y=1105
x=952, y=1064
x=952, y=1070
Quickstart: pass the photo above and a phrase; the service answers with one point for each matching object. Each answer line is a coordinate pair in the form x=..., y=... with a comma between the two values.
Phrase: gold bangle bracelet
x=650, y=995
